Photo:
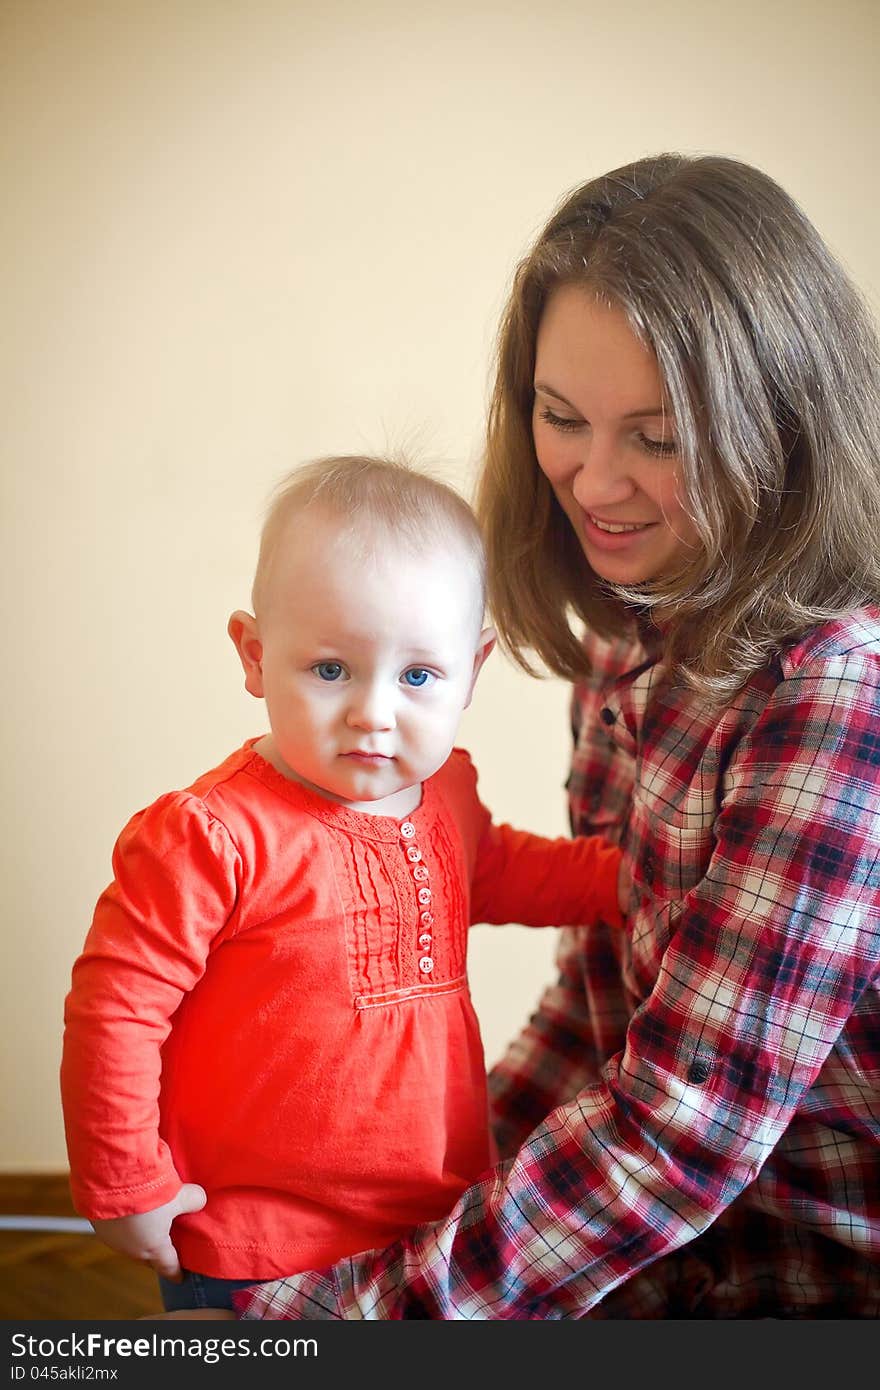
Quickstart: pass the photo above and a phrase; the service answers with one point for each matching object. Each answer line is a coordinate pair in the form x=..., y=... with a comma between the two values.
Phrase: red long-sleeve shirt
x=272, y=1002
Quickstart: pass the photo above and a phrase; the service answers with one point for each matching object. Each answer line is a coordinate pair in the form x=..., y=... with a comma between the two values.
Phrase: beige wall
x=239, y=234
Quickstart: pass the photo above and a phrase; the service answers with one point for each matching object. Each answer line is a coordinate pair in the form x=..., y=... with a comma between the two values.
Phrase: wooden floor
x=48, y=1274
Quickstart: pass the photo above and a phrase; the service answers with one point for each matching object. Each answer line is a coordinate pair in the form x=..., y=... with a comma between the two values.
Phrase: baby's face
x=368, y=662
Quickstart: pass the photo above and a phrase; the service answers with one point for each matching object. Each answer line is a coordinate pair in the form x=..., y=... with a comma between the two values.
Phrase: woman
x=682, y=461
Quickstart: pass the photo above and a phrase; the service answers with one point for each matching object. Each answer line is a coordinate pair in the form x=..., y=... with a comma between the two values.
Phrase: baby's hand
x=624, y=885
x=147, y=1237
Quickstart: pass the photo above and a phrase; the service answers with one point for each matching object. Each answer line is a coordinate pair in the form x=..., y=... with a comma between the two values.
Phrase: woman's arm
x=560, y=1051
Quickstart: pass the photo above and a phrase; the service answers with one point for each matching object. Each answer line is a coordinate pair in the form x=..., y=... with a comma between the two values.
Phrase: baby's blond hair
x=379, y=501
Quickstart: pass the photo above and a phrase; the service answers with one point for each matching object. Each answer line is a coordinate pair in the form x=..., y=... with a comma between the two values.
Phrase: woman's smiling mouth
x=618, y=528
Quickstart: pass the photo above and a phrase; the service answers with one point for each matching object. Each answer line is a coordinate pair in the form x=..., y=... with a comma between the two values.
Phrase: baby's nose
x=372, y=707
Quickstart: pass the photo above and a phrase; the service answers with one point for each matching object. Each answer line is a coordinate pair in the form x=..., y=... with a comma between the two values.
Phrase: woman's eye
x=328, y=670
x=417, y=676
x=558, y=422
x=660, y=448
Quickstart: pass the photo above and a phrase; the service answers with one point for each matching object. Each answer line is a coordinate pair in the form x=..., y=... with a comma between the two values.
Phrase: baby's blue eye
x=416, y=676
x=328, y=670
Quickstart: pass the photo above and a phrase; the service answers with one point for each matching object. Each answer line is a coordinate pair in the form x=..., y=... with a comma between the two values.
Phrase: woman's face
x=605, y=442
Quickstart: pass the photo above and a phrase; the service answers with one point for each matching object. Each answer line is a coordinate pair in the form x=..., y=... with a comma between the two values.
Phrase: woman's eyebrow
x=548, y=391
x=644, y=412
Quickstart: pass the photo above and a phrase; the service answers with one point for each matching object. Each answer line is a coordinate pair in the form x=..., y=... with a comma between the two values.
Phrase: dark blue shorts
x=200, y=1291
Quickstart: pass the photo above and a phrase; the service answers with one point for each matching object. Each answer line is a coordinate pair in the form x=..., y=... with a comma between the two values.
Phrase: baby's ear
x=488, y=638
x=242, y=628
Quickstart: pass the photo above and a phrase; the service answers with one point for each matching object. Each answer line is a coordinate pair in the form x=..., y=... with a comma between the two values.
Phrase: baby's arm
x=147, y=1237
x=174, y=887
x=539, y=882
x=529, y=879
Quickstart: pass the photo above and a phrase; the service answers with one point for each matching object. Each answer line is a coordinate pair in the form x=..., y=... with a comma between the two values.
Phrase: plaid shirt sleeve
x=755, y=939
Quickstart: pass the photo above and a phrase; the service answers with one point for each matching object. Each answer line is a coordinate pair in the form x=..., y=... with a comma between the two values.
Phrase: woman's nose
x=602, y=476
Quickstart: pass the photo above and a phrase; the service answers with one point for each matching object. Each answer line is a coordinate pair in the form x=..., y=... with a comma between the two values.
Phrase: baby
x=269, y=1039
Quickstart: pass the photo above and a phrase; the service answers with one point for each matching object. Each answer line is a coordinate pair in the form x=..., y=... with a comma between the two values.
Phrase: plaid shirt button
x=699, y=1070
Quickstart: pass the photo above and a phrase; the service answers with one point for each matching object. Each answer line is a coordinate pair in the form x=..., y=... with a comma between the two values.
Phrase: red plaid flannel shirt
x=692, y=1117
